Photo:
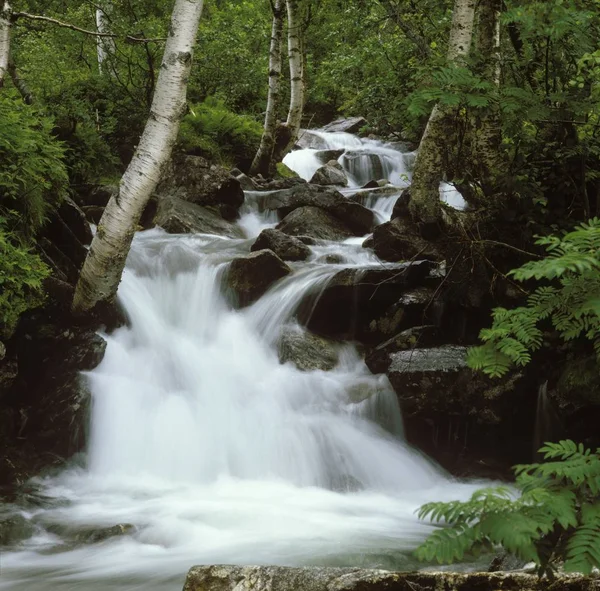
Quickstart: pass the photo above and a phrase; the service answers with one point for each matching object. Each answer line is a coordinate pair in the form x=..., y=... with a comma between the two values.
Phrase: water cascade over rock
x=222, y=435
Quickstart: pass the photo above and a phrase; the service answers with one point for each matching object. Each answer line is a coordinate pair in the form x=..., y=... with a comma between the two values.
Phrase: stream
x=213, y=450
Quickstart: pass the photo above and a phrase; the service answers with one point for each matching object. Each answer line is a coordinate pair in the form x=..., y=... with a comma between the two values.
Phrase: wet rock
x=399, y=240
x=310, y=139
x=245, y=181
x=331, y=173
x=357, y=218
x=194, y=179
x=325, y=156
x=381, y=183
x=306, y=350
x=378, y=359
x=93, y=213
x=281, y=578
x=413, y=308
x=103, y=534
x=75, y=219
x=401, y=209
x=350, y=125
x=95, y=195
x=248, y=278
x=285, y=247
x=177, y=216
x=331, y=259
x=358, y=160
x=278, y=184
x=315, y=223
x=14, y=528
x=353, y=298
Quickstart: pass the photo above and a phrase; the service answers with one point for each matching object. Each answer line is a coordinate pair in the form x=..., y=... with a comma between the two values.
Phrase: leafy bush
x=556, y=517
x=571, y=301
x=213, y=131
x=33, y=177
x=21, y=276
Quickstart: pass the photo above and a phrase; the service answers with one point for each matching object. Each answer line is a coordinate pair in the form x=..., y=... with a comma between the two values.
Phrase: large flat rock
x=279, y=578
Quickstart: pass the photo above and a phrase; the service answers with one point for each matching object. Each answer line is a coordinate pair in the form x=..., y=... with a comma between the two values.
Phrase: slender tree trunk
x=486, y=130
x=5, y=26
x=287, y=134
x=103, y=267
x=19, y=83
x=262, y=162
x=431, y=162
x=105, y=46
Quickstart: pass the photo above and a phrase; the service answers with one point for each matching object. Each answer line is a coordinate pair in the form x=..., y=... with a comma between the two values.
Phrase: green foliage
x=213, y=131
x=285, y=172
x=556, y=516
x=570, y=301
x=21, y=276
x=33, y=176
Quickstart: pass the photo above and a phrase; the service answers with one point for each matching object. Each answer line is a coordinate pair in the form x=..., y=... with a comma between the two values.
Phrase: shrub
x=33, y=177
x=213, y=131
x=21, y=276
x=570, y=299
x=555, y=518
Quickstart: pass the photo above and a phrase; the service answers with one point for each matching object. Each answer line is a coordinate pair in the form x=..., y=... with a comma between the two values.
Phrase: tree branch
x=53, y=21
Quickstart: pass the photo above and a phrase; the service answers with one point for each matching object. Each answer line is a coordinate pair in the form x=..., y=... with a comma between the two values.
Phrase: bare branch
x=53, y=21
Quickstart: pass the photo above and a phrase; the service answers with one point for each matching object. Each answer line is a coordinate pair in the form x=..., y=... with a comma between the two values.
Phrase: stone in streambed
x=331, y=173
x=249, y=277
x=305, y=350
x=285, y=247
x=315, y=223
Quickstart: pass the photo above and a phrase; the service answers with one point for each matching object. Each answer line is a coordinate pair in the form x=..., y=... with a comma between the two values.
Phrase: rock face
x=249, y=277
x=306, y=350
x=287, y=248
x=354, y=298
x=357, y=218
x=315, y=223
x=45, y=412
x=350, y=125
x=280, y=578
x=398, y=240
x=194, y=179
x=177, y=216
x=325, y=156
x=331, y=173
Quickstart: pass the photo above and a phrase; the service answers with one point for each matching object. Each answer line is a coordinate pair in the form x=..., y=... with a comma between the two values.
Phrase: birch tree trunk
x=5, y=26
x=262, y=162
x=431, y=162
x=105, y=46
x=104, y=264
x=486, y=131
x=287, y=134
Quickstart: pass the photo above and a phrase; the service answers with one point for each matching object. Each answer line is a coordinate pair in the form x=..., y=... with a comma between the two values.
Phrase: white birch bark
x=430, y=163
x=104, y=264
x=295, y=56
x=264, y=155
x=5, y=26
x=105, y=46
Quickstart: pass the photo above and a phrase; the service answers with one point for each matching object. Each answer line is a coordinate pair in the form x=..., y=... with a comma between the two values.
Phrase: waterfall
x=214, y=450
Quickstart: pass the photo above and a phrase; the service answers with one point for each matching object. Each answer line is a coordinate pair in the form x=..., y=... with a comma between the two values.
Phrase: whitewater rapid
x=215, y=451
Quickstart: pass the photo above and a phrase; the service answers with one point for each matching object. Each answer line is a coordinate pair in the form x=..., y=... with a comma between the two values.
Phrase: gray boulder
x=285, y=247
x=399, y=240
x=310, y=139
x=194, y=179
x=315, y=223
x=349, y=125
x=306, y=350
x=177, y=216
x=249, y=277
x=331, y=173
x=283, y=578
x=325, y=156
x=357, y=218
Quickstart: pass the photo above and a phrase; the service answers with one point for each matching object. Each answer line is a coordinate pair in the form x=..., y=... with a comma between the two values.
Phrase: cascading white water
x=366, y=160
x=214, y=450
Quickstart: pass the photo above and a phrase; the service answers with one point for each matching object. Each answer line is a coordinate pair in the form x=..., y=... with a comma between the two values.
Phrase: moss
x=284, y=172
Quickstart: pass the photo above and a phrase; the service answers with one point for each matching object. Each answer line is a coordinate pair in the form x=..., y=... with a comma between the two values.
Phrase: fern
x=556, y=516
x=571, y=301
